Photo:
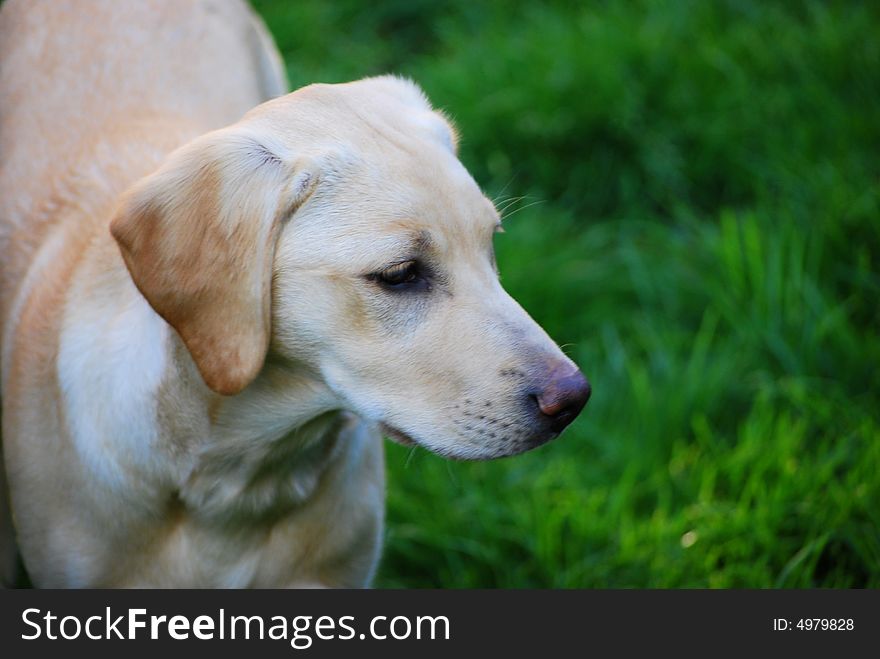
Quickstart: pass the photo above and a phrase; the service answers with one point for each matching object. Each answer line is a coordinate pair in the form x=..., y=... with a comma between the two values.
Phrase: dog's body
x=197, y=360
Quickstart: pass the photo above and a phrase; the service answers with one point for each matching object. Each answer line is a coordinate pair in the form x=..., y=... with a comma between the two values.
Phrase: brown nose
x=563, y=398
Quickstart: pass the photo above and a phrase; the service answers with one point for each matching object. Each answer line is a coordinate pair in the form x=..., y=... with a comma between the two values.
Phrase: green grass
x=700, y=228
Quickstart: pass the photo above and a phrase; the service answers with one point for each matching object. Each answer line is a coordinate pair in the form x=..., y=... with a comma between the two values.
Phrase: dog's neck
x=284, y=398
x=268, y=446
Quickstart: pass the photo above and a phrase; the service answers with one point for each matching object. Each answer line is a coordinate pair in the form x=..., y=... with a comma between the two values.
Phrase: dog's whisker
x=522, y=208
x=505, y=205
x=566, y=348
x=452, y=475
x=409, y=456
x=503, y=189
x=507, y=201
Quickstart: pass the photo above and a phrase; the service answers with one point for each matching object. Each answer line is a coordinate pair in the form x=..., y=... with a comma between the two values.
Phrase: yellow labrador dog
x=209, y=319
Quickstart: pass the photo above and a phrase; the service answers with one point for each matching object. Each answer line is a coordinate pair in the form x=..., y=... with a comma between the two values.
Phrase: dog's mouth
x=396, y=435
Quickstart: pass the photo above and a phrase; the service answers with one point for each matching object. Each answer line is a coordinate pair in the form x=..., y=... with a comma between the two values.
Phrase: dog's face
x=363, y=249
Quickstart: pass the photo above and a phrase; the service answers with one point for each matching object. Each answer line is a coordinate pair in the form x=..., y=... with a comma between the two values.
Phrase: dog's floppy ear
x=198, y=237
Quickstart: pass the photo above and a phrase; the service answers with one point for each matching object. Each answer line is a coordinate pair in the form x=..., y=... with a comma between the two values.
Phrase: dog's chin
x=464, y=453
x=397, y=436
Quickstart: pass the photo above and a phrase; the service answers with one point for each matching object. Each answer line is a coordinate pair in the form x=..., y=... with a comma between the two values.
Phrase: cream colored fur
x=197, y=357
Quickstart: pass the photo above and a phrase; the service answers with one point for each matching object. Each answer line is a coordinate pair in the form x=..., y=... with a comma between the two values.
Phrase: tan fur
x=197, y=352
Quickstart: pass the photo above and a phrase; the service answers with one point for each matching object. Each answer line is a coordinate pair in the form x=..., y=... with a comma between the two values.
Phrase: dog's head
x=337, y=226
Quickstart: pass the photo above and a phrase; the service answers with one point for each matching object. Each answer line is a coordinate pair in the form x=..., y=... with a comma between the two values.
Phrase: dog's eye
x=399, y=275
x=406, y=276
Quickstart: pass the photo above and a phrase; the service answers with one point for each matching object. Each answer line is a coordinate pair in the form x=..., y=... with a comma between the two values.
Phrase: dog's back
x=85, y=87
x=74, y=71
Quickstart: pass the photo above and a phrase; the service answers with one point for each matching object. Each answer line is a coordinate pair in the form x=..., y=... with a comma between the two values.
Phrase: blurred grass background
x=694, y=191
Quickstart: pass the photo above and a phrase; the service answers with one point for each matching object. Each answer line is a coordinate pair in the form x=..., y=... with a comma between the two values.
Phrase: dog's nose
x=563, y=398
